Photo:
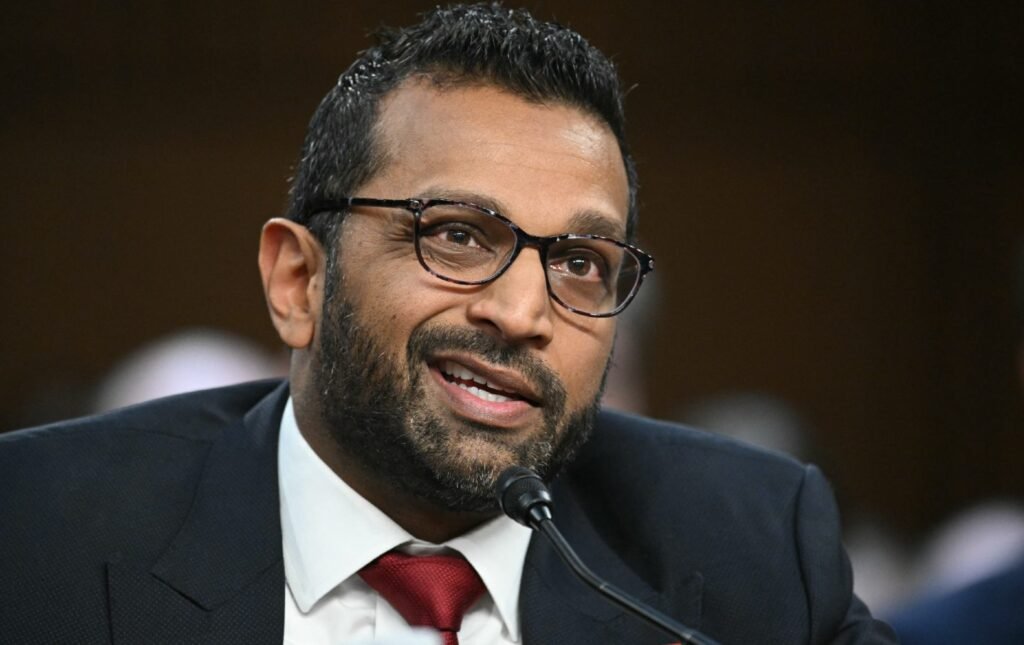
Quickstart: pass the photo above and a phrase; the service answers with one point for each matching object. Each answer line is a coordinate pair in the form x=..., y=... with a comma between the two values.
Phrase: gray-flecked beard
x=382, y=419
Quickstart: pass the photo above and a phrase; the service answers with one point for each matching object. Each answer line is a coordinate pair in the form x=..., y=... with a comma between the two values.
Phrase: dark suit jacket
x=160, y=524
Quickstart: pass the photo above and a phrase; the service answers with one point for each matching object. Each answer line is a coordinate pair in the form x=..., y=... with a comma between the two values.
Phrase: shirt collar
x=497, y=550
x=330, y=532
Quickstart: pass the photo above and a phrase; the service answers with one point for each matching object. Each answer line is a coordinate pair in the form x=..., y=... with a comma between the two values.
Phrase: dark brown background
x=833, y=194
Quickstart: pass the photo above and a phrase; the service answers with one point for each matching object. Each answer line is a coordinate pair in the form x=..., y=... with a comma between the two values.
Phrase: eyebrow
x=588, y=222
x=594, y=223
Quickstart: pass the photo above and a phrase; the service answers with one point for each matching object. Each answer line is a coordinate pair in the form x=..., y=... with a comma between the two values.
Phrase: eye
x=579, y=266
x=583, y=264
x=454, y=234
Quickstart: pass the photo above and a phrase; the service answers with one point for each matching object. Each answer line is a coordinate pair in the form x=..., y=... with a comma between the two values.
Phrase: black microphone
x=523, y=496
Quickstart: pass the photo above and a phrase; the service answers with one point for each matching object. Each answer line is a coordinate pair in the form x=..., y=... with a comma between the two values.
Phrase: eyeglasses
x=468, y=244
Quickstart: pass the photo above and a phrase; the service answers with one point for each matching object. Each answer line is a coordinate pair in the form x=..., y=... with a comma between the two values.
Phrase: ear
x=292, y=267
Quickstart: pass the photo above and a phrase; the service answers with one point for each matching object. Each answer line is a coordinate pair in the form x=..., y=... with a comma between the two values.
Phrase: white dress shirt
x=330, y=532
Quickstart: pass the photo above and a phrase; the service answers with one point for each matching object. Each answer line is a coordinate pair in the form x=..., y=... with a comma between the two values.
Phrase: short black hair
x=542, y=62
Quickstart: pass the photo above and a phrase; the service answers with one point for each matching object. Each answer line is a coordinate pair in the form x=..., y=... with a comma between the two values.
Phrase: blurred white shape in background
x=973, y=545
x=192, y=359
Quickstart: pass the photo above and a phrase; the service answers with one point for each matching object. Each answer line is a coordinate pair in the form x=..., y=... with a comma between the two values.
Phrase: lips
x=486, y=394
x=476, y=384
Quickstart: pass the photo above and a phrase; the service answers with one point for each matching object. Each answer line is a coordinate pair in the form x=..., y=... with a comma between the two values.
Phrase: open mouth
x=477, y=385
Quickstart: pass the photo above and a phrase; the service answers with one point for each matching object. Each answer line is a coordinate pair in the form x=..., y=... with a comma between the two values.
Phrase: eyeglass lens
x=467, y=245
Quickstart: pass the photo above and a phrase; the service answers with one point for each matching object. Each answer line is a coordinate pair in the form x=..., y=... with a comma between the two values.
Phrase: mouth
x=477, y=384
x=481, y=393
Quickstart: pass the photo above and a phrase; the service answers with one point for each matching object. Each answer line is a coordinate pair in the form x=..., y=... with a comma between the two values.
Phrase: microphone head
x=523, y=496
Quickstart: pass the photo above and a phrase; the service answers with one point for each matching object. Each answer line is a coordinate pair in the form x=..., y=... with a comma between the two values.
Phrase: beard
x=383, y=418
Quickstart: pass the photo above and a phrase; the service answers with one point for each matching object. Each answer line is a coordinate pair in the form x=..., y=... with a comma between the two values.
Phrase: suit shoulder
x=680, y=473
x=197, y=416
x=644, y=442
x=119, y=482
x=152, y=444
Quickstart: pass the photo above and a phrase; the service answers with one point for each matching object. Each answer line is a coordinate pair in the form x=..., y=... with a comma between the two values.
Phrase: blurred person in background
x=185, y=361
x=189, y=359
x=970, y=585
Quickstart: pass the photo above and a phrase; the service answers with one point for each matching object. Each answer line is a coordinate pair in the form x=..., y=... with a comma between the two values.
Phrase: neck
x=426, y=523
x=422, y=519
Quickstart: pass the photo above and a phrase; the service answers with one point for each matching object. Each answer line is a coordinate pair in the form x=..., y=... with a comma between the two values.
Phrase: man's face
x=435, y=387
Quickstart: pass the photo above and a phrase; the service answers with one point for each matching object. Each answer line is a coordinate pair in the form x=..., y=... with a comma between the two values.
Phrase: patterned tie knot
x=427, y=590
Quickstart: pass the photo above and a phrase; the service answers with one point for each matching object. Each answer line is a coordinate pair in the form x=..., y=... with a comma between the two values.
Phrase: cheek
x=384, y=283
x=394, y=304
x=582, y=363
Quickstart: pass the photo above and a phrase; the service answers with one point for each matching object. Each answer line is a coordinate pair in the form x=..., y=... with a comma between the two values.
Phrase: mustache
x=425, y=342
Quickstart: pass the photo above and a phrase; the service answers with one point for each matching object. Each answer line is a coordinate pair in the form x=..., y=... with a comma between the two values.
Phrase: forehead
x=544, y=165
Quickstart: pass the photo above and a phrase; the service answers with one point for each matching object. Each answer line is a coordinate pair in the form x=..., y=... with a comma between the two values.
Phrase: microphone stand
x=613, y=593
x=524, y=497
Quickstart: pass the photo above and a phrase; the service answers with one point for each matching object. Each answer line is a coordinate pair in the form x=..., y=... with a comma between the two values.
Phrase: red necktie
x=427, y=590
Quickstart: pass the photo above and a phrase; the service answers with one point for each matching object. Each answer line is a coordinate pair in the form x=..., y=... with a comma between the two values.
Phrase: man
x=447, y=279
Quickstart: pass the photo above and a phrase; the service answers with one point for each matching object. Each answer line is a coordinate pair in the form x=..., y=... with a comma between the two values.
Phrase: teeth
x=452, y=368
x=484, y=394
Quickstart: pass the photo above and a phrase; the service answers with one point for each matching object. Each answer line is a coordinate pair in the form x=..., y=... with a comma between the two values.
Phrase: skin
x=550, y=168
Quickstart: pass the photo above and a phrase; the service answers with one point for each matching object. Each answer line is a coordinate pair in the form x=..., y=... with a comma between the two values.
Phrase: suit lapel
x=222, y=577
x=557, y=608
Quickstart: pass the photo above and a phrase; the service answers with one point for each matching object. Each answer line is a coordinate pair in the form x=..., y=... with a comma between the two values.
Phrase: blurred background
x=833, y=193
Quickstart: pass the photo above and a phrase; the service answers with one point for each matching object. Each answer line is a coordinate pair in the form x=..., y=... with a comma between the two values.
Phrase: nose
x=516, y=306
